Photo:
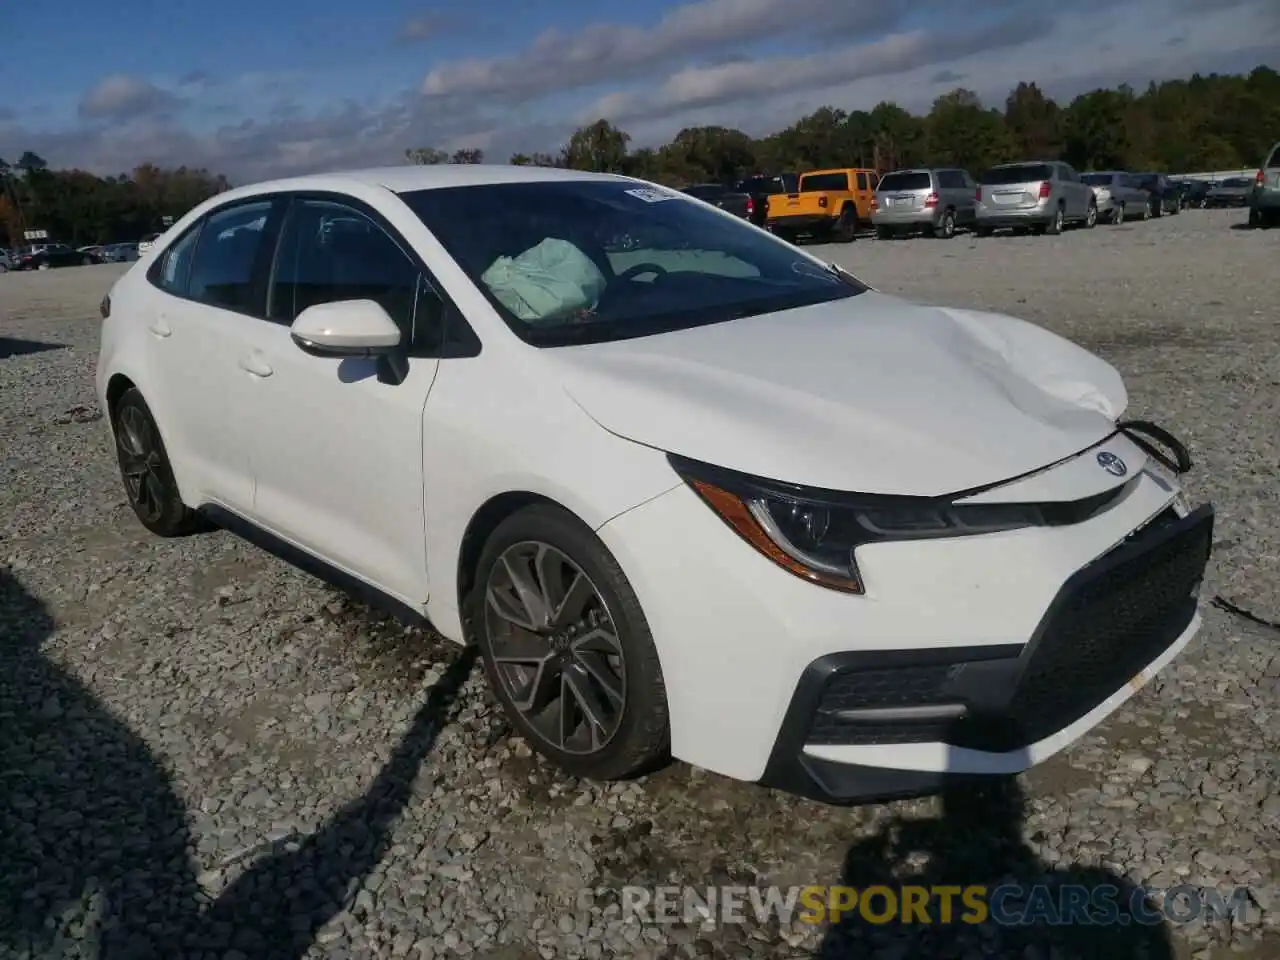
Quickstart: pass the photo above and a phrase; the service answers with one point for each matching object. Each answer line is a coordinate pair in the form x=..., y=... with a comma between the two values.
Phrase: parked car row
x=1042, y=196
x=45, y=256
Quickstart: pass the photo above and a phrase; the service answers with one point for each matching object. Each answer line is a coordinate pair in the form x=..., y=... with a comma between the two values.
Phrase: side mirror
x=346, y=328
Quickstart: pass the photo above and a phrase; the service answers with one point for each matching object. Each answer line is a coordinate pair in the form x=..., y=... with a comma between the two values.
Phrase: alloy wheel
x=1091, y=217
x=555, y=647
x=141, y=462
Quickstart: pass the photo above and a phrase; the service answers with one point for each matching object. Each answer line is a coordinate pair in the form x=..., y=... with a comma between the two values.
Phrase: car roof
x=410, y=177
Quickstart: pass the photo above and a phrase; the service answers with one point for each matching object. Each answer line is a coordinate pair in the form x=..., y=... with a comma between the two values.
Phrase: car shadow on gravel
x=977, y=840
x=95, y=847
x=10, y=347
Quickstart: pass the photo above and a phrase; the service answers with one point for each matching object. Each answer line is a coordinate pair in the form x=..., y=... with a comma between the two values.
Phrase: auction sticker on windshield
x=653, y=196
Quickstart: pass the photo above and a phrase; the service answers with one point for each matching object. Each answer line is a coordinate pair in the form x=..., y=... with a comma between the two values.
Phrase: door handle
x=256, y=366
x=160, y=327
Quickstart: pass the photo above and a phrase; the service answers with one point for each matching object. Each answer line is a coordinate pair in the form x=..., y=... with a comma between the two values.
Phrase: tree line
x=1214, y=122
x=80, y=208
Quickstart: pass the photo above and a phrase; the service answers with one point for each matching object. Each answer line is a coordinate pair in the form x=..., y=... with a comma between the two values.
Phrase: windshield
x=583, y=261
x=905, y=181
x=1097, y=179
x=1018, y=173
x=1237, y=182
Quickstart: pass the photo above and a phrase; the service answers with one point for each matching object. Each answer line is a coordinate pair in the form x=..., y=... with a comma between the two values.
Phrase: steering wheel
x=640, y=269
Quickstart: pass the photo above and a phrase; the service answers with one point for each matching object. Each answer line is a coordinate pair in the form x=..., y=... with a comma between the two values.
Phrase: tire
x=1146, y=210
x=43, y=266
x=947, y=229
x=1255, y=218
x=846, y=229
x=1055, y=226
x=1091, y=217
x=983, y=231
x=884, y=233
x=1117, y=215
x=638, y=733
x=152, y=493
x=86, y=261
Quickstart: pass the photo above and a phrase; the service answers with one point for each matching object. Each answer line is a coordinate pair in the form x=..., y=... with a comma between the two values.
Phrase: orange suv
x=828, y=204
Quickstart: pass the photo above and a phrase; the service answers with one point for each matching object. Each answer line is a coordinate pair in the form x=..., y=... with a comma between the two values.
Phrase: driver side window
x=330, y=252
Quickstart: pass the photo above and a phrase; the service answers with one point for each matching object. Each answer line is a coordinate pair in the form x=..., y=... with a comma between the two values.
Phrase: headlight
x=815, y=534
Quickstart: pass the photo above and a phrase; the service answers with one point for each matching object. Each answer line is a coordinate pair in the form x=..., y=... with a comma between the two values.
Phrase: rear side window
x=175, y=267
x=1017, y=173
x=1273, y=161
x=905, y=181
x=862, y=181
x=816, y=182
x=222, y=271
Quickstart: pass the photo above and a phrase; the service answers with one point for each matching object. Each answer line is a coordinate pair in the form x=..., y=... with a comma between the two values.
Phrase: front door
x=337, y=457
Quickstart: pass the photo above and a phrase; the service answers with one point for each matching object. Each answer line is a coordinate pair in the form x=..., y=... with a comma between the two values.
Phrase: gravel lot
x=205, y=753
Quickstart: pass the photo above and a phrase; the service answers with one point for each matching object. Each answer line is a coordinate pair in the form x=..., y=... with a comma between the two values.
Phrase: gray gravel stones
x=205, y=753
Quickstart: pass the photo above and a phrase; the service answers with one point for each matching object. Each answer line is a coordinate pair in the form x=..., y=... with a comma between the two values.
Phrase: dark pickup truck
x=735, y=202
x=760, y=188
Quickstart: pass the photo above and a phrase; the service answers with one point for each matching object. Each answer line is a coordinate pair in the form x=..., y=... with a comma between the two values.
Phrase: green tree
x=600, y=147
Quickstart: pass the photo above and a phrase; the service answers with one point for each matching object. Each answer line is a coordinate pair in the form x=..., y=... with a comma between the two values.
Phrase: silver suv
x=1264, y=202
x=1043, y=196
x=935, y=201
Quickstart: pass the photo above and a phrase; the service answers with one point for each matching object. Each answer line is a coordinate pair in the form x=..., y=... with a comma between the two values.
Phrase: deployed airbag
x=546, y=282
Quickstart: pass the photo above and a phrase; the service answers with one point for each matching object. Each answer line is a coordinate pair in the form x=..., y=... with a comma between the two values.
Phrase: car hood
x=869, y=394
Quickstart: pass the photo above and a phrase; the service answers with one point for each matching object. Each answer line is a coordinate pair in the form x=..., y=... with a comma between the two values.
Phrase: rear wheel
x=983, y=231
x=146, y=471
x=566, y=647
x=1055, y=225
x=85, y=261
x=43, y=265
x=1117, y=215
x=947, y=228
x=1146, y=209
x=1091, y=216
x=884, y=233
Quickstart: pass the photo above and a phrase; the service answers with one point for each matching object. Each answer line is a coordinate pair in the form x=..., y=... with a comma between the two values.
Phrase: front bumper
x=874, y=727
x=743, y=644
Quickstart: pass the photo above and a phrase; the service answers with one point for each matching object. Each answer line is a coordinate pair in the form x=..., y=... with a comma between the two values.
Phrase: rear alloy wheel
x=1117, y=215
x=1146, y=209
x=1091, y=216
x=1056, y=224
x=566, y=647
x=146, y=471
x=947, y=229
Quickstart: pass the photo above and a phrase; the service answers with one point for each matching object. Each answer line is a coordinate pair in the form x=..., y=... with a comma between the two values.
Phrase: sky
x=256, y=89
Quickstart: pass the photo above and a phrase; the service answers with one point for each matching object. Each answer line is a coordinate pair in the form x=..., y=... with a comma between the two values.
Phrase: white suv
x=690, y=489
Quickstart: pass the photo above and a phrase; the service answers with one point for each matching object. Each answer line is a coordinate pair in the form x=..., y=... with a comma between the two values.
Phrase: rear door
x=212, y=296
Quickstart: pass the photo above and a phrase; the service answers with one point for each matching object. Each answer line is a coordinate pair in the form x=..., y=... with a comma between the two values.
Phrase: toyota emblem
x=1112, y=464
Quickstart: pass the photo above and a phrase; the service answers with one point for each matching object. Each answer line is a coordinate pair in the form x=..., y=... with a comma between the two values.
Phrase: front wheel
x=1117, y=215
x=1091, y=217
x=1146, y=210
x=566, y=647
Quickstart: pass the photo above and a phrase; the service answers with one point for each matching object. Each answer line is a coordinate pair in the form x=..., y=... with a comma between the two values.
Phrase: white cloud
x=121, y=95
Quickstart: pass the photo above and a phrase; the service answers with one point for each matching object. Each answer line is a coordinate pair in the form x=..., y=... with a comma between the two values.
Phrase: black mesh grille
x=1105, y=631
x=879, y=689
x=1120, y=614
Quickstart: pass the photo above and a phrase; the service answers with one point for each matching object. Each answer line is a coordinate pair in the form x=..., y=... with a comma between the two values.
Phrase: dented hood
x=870, y=394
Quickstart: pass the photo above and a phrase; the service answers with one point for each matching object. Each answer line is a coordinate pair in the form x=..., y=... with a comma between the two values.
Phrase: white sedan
x=691, y=490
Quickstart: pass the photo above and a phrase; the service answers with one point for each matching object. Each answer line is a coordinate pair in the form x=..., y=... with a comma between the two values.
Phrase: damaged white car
x=691, y=490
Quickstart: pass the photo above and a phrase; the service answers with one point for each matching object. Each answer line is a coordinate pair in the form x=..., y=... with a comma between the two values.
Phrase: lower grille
x=1109, y=621
x=1124, y=612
